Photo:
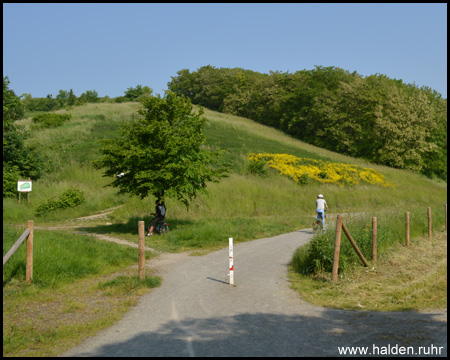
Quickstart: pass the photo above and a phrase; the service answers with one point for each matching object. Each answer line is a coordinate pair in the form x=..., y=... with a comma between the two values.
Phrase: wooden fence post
x=374, y=239
x=429, y=223
x=141, y=250
x=29, y=263
x=407, y=228
x=337, y=246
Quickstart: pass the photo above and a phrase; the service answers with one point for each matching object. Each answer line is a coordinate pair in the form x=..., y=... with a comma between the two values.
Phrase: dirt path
x=197, y=313
x=101, y=215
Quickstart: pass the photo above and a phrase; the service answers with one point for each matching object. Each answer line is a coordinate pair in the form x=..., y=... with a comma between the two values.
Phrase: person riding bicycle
x=158, y=216
x=321, y=207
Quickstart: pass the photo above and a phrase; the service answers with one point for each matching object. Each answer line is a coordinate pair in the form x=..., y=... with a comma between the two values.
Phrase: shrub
x=10, y=175
x=257, y=167
x=303, y=179
x=50, y=120
x=324, y=172
x=69, y=198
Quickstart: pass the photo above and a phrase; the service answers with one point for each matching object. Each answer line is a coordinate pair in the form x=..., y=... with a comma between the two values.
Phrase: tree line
x=67, y=98
x=376, y=118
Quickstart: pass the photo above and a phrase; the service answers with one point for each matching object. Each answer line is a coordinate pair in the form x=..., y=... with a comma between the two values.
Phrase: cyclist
x=321, y=207
x=158, y=216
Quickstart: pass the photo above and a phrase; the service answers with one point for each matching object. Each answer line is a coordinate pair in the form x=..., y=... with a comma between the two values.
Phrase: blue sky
x=112, y=47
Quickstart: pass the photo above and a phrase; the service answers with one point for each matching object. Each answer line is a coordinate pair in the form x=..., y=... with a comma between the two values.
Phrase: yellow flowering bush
x=323, y=171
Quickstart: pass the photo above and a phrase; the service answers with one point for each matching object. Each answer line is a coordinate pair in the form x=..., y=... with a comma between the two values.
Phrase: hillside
x=376, y=118
x=244, y=204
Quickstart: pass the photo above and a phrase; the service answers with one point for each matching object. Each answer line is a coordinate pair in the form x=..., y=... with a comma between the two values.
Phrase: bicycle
x=317, y=225
x=161, y=227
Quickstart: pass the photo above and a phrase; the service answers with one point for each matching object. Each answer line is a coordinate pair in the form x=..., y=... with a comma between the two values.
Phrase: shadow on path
x=275, y=335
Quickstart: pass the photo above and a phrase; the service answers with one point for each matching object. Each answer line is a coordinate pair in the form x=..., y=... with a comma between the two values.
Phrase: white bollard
x=230, y=257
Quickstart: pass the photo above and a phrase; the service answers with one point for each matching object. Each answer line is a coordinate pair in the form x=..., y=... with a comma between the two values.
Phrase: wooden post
x=407, y=228
x=361, y=256
x=429, y=223
x=374, y=239
x=141, y=250
x=29, y=264
x=337, y=247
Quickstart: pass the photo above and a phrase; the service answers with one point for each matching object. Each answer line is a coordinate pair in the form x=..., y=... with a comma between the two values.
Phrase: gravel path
x=196, y=312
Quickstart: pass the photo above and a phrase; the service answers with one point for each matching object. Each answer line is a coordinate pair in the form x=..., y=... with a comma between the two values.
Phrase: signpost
x=230, y=257
x=24, y=186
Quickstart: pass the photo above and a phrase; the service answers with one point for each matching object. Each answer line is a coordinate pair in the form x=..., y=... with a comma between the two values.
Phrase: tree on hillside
x=19, y=160
x=134, y=94
x=90, y=96
x=162, y=153
x=65, y=97
x=12, y=108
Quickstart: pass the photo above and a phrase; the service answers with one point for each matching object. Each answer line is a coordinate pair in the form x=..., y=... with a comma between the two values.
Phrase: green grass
x=126, y=284
x=60, y=257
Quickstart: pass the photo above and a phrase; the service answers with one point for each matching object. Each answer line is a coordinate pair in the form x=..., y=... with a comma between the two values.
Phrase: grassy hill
x=244, y=206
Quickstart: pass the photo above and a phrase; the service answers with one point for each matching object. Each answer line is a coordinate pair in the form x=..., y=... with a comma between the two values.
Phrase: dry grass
x=413, y=278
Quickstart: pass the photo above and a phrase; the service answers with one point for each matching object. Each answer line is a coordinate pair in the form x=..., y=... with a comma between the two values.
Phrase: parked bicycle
x=161, y=227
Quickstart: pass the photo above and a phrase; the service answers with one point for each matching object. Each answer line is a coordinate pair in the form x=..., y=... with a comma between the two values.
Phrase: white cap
x=320, y=196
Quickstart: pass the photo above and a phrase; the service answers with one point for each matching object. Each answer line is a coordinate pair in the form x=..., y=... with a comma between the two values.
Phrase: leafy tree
x=71, y=98
x=90, y=96
x=435, y=161
x=62, y=97
x=41, y=104
x=18, y=159
x=404, y=122
x=12, y=107
x=162, y=153
x=65, y=97
x=182, y=84
x=134, y=94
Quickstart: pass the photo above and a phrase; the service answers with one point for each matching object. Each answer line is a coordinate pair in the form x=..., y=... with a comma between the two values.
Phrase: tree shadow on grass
x=131, y=226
